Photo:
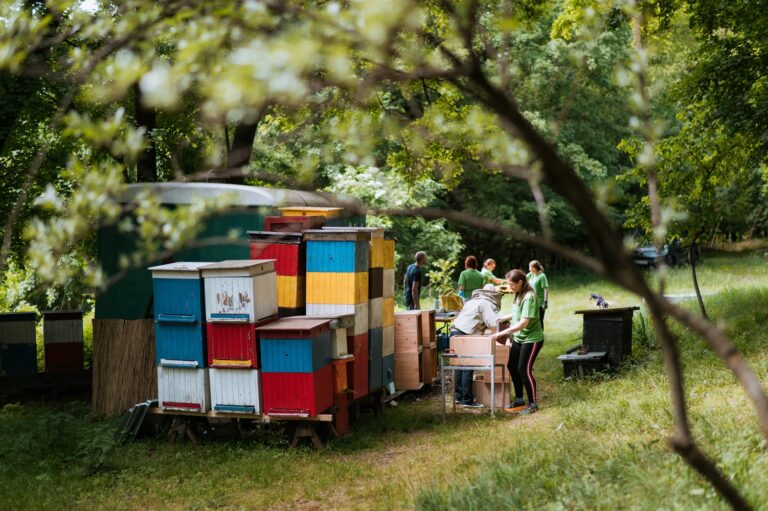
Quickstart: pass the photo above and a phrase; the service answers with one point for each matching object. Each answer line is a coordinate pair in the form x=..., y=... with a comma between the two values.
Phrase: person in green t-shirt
x=526, y=342
x=539, y=283
x=488, y=277
x=470, y=279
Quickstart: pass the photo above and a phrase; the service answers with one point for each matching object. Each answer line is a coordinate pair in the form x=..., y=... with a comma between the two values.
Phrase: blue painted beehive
x=339, y=251
x=179, y=314
x=295, y=345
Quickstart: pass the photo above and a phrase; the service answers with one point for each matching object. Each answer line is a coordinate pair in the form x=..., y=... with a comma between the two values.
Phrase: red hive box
x=234, y=344
x=293, y=223
x=286, y=248
x=357, y=370
x=305, y=394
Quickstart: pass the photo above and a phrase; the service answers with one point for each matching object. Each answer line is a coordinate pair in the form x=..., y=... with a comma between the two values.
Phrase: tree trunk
x=242, y=145
x=146, y=165
x=692, y=260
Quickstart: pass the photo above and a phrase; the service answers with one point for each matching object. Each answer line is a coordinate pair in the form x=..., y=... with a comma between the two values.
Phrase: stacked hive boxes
x=384, y=256
x=287, y=249
x=481, y=386
x=18, y=352
x=297, y=375
x=408, y=350
x=376, y=310
x=240, y=296
x=180, y=336
x=63, y=337
x=337, y=284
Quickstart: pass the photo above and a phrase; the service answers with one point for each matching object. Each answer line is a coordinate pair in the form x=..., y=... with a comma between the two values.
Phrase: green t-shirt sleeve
x=529, y=307
x=463, y=279
x=544, y=283
x=487, y=276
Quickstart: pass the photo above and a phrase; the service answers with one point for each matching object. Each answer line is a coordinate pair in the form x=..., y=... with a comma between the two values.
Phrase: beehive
x=235, y=390
x=183, y=389
x=288, y=251
x=63, y=339
x=357, y=374
x=471, y=345
x=240, y=291
x=179, y=312
x=326, y=212
x=293, y=223
x=18, y=352
x=375, y=358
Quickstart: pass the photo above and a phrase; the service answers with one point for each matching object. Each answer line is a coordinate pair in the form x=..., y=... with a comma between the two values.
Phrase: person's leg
x=514, y=373
x=528, y=354
x=541, y=316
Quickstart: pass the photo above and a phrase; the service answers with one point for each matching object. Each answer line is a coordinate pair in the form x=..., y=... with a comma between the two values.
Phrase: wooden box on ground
x=408, y=369
x=482, y=392
x=502, y=357
x=471, y=345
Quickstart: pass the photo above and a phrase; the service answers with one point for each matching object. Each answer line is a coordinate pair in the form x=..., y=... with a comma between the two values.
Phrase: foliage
x=442, y=279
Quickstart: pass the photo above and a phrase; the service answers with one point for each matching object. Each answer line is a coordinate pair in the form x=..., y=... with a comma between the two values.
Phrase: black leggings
x=520, y=365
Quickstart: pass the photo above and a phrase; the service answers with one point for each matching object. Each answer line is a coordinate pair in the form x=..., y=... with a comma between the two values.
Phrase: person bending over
x=479, y=313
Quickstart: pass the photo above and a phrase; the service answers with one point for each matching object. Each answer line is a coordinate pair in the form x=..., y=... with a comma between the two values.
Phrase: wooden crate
x=471, y=345
x=407, y=331
x=502, y=356
x=408, y=370
x=430, y=371
x=482, y=392
x=428, y=335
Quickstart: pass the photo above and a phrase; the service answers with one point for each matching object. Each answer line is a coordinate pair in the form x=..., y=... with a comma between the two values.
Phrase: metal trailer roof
x=242, y=195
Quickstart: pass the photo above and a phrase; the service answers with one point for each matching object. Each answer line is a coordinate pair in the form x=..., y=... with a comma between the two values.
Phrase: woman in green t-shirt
x=539, y=283
x=526, y=342
x=488, y=277
x=470, y=279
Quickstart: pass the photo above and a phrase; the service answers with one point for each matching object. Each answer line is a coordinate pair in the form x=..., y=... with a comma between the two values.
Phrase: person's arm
x=545, y=285
x=416, y=288
x=511, y=330
x=498, y=281
x=462, y=279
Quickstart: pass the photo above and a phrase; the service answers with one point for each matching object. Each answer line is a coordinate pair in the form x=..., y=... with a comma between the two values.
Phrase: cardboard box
x=502, y=357
x=482, y=392
x=471, y=345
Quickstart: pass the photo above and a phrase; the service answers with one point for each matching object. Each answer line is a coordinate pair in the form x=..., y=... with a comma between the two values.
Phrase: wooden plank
x=323, y=417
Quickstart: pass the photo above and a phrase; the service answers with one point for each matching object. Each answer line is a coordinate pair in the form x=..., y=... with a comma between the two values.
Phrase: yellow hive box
x=337, y=288
x=311, y=211
x=378, y=252
x=290, y=291
x=388, y=254
x=388, y=312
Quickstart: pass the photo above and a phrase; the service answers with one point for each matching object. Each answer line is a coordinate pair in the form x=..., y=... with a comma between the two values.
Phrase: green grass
x=596, y=444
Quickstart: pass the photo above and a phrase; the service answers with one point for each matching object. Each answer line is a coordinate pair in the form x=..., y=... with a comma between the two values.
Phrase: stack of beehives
x=63, y=339
x=415, y=349
x=205, y=320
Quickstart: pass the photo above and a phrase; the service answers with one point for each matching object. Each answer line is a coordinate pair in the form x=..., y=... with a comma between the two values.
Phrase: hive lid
x=341, y=234
x=239, y=268
x=293, y=238
x=177, y=270
x=295, y=324
x=310, y=210
x=17, y=316
x=608, y=310
x=375, y=232
x=341, y=320
x=62, y=315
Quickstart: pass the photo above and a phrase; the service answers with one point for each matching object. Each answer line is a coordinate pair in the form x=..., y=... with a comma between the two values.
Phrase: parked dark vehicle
x=672, y=253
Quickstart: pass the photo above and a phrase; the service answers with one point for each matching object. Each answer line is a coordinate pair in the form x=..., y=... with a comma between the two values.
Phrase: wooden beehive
x=388, y=283
x=409, y=372
x=471, y=345
x=428, y=335
x=240, y=290
x=430, y=371
x=183, y=389
x=235, y=390
x=18, y=352
x=408, y=334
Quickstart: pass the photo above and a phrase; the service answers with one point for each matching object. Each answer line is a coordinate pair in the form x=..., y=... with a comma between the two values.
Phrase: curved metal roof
x=243, y=195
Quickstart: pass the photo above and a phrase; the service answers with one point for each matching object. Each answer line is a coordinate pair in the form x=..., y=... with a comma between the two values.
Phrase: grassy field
x=596, y=444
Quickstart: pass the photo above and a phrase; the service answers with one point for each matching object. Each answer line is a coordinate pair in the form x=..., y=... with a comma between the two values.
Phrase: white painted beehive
x=388, y=289
x=240, y=291
x=235, y=390
x=62, y=326
x=183, y=389
x=360, y=311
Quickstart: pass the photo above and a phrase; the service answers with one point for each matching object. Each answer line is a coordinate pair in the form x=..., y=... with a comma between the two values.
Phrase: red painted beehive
x=357, y=372
x=301, y=394
x=234, y=345
x=63, y=337
x=286, y=248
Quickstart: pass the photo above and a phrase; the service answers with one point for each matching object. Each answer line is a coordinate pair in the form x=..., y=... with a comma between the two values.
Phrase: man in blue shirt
x=413, y=282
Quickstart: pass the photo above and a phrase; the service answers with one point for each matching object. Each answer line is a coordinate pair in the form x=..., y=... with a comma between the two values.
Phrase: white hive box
x=388, y=343
x=183, y=389
x=360, y=311
x=235, y=390
x=375, y=313
x=389, y=283
x=240, y=291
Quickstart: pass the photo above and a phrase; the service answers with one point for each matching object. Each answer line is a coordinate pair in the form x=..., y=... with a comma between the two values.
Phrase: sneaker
x=472, y=404
x=517, y=406
x=531, y=408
